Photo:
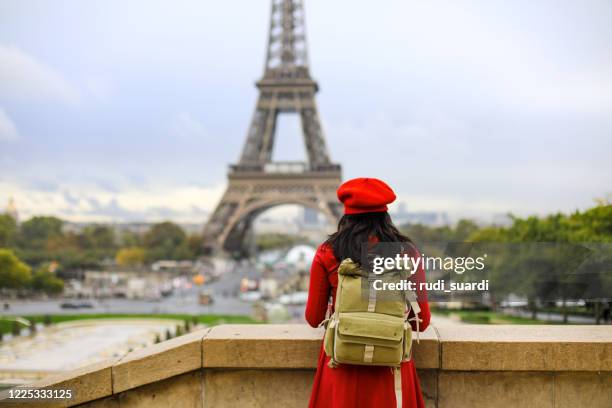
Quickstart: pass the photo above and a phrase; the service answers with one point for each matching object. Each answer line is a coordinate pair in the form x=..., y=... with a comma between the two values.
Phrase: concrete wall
x=273, y=366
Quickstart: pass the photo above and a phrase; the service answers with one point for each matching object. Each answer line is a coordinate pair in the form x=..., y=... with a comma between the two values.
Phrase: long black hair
x=354, y=230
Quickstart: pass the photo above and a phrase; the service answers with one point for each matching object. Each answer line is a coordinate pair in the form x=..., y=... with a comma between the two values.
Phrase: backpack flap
x=371, y=328
x=367, y=338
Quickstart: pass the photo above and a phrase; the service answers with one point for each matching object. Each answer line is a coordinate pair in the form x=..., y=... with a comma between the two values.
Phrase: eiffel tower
x=256, y=183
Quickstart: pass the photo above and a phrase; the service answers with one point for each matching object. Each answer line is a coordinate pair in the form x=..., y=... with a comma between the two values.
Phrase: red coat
x=352, y=385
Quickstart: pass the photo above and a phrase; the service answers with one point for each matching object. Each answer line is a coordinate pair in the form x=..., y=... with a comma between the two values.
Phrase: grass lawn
x=486, y=317
x=208, y=319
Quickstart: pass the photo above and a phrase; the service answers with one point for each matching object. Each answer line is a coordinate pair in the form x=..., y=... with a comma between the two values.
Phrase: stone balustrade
x=273, y=366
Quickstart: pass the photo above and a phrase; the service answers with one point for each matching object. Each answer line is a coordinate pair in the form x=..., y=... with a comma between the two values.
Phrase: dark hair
x=354, y=230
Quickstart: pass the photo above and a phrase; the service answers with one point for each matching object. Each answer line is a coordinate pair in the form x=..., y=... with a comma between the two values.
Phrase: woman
x=365, y=220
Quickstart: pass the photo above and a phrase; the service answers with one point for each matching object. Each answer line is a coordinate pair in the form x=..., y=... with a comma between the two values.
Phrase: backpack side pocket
x=328, y=340
x=407, y=341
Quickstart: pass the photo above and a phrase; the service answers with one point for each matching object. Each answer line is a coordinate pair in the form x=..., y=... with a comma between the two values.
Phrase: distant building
x=128, y=284
x=11, y=209
x=266, y=225
x=268, y=287
x=185, y=266
x=429, y=218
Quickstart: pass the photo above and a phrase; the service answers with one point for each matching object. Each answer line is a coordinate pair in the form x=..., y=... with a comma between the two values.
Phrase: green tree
x=14, y=274
x=196, y=244
x=131, y=256
x=98, y=237
x=489, y=234
x=8, y=230
x=35, y=232
x=130, y=239
x=592, y=225
x=275, y=240
x=464, y=229
x=43, y=280
x=166, y=240
x=421, y=234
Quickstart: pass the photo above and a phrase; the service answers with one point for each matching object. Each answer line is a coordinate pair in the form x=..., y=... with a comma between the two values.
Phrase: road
x=225, y=291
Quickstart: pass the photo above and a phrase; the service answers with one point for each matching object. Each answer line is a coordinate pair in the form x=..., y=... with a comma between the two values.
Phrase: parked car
x=76, y=305
x=69, y=305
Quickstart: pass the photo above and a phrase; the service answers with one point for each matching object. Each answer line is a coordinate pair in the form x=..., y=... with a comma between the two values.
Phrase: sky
x=130, y=111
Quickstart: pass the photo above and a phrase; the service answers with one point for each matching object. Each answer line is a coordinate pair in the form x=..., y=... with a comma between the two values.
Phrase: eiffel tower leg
x=216, y=229
x=251, y=153
x=235, y=239
x=313, y=136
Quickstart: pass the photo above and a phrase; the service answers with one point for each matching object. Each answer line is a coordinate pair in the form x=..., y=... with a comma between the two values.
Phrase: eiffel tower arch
x=256, y=183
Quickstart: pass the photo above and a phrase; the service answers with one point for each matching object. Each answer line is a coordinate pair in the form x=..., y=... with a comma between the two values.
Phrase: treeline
x=592, y=225
x=540, y=255
x=43, y=243
x=275, y=240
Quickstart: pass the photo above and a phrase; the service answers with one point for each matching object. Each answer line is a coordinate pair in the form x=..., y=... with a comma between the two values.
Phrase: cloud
x=106, y=184
x=71, y=199
x=185, y=126
x=437, y=160
x=8, y=130
x=88, y=202
x=115, y=210
x=24, y=77
x=112, y=209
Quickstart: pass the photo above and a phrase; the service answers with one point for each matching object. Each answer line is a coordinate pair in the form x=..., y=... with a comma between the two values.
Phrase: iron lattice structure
x=256, y=183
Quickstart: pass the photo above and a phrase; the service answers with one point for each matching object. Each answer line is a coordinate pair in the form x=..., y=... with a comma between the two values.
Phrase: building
x=11, y=209
x=429, y=218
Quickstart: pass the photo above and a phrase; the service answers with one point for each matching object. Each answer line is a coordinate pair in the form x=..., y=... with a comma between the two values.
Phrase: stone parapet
x=273, y=366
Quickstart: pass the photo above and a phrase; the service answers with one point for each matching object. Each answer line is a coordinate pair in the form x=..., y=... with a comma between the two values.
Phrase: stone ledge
x=426, y=352
x=285, y=346
x=452, y=350
x=526, y=348
x=87, y=383
x=160, y=361
x=262, y=346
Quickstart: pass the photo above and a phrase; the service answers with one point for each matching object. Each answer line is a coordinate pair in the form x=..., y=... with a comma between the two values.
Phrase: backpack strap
x=368, y=353
x=397, y=376
x=411, y=301
x=371, y=294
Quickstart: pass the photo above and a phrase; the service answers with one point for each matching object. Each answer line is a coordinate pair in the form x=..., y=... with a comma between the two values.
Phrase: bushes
x=14, y=274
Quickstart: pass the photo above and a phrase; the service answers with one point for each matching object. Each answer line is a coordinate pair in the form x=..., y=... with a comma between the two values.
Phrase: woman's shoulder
x=324, y=244
x=325, y=251
x=324, y=248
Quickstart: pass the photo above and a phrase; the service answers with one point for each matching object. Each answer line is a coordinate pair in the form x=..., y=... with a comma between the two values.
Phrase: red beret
x=362, y=195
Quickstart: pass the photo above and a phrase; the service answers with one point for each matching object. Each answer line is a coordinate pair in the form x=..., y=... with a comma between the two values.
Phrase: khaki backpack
x=364, y=330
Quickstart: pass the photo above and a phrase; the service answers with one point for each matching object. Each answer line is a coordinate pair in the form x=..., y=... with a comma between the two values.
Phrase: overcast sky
x=132, y=110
